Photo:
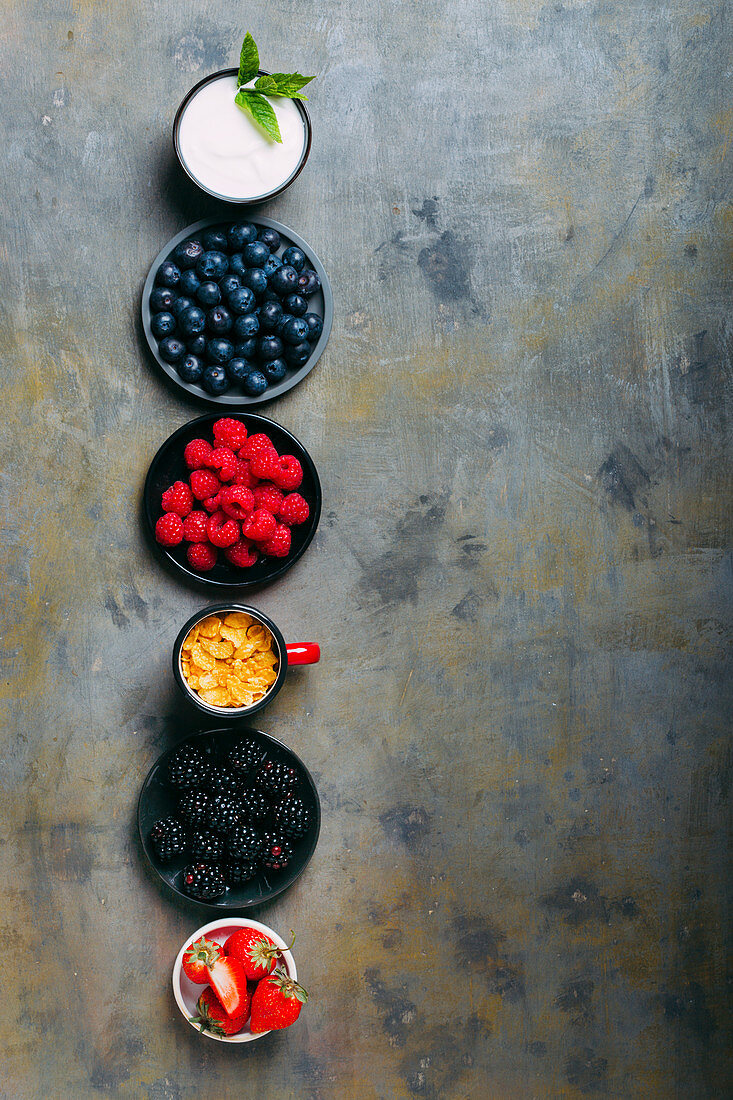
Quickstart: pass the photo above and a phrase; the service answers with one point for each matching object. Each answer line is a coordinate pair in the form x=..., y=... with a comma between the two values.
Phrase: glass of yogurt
x=227, y=154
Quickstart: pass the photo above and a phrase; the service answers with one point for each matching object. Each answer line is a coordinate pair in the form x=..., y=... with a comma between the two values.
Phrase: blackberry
x=244, y=843
x=275, y=779
x=225, y=813
x=254, y=805
x=238, y=871
x=206, y=845
x=168, y=837
x=188, y=768
x=223, y=780
x=194, y=807
x=293, y=817
x=275, y=852
x=245, y=756
x=203, y=881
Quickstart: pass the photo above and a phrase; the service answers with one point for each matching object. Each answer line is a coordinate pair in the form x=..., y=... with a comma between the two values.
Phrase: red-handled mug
x=292, y=653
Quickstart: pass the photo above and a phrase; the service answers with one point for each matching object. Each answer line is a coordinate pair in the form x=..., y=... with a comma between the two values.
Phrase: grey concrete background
x=521, y=582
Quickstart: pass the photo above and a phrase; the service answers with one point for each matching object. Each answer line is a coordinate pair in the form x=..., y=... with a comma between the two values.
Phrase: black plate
x=157, y=800
x=321, y=303
x=169, y=466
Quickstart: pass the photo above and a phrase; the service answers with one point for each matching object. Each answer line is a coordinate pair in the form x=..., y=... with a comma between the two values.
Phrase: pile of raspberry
x=240, y=498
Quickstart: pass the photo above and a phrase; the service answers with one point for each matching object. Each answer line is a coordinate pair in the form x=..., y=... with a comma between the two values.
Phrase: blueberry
x=270, y=314
x=297, y=355
x=215, y=380
x=270, y=237
x=214, y=240
x=272, y=263
x=192, y=321
x=190, y=282
x=246, y=349
x=282, y=323
x=308, y=283
x=238, y=369
x=237, y=265
x=283, y=281
x=208, y=294
x=269, y=347
x=274, y=370
x=254, y=383
x=240, y=235
x=219, y=321
x=229, y=284
x=212, y=265
x=219, y=351
x=315, y=325
x=197, y=345
x=171, y=350
x=296, y=305
x=246, y=326
x=294, y=331
x=190, y=368
x=168, y=274
x=180, y=306
x=187, y=254
x=162, y=324
x=295, y=257
x=161, y=297
x=241, y=300
x=255, y=254
x=255, y=279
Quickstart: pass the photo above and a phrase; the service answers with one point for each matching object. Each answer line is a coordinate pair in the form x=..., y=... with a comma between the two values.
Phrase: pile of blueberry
x=227, y=311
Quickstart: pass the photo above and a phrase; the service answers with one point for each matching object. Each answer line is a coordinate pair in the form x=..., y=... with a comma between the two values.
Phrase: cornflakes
x=229, y=661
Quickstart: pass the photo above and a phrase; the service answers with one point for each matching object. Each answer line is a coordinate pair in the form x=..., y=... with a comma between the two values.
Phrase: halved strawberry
x=198, y=957
x=228, y=979
x=256, y=952
x=276, y=1002
x=212, y=1017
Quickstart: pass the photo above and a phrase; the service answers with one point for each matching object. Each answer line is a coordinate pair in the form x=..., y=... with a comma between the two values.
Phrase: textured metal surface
x=521, y=584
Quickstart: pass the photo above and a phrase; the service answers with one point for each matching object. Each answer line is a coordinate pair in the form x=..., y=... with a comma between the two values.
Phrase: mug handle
x=303, y=653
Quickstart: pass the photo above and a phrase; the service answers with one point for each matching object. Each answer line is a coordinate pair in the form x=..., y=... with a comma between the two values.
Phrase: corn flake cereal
x=229, y=661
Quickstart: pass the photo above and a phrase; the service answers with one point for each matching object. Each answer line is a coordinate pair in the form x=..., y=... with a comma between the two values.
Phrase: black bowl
x=321, y=303
x=169, y=466
x=158, y=799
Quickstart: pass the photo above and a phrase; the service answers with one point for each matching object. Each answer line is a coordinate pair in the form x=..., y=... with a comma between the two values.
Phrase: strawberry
x=212, y=1017
x=197, y=958
x=229, y=981
x=256, y=952
x=276, y=1002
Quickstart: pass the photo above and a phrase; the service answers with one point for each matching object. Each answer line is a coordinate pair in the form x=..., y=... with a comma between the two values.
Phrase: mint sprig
x=252, y=100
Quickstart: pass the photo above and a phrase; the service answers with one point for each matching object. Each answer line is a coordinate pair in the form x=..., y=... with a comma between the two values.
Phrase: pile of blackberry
x=237, y=818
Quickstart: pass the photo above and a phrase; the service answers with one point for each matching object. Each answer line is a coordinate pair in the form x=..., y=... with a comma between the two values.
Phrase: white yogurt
x=227, y=152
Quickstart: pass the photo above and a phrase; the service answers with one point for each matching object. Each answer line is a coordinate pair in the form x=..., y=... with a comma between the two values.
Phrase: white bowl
x=187, y=993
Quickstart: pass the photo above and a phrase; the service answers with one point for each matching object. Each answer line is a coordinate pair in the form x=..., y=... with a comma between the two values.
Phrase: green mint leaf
x=266, y=84
x=249, y=61
x=257, y=106
x=289, y=84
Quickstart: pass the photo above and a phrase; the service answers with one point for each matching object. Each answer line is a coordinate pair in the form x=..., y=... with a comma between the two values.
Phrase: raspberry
x=229, y=432
x=288, y=473
x=237, y=501
x=278, y=546
x=204, y=484
x=201, y=556
x=169, y=529
x=222, y=531
x=257, y=444
x=196, y=453
x=260, y=525
x=264, y=464
x=294, y=509
x=224, y=460
x=268, y=496
x=242, y=553
x=244, y=475
x=212, y=503
x=194, y=527
x=178, y=499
